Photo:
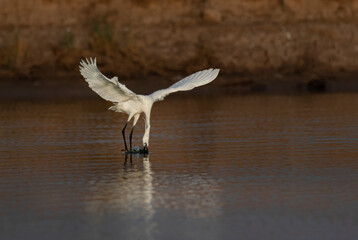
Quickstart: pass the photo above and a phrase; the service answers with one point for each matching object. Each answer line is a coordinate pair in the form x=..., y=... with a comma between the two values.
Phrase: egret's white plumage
x=132, y=104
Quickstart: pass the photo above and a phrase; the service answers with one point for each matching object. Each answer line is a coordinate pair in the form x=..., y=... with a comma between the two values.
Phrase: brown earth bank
x=301, y=43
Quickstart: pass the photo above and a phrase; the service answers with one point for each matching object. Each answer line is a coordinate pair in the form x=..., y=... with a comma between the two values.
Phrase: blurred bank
x=257, y=44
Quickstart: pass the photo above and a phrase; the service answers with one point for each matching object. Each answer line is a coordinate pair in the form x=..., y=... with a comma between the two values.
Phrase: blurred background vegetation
x=304, y=41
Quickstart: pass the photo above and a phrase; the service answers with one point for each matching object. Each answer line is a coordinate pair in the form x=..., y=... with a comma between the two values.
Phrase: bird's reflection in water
x=145, y=158
x=127, y=194
x=147, y=177
x=126, y=159
x=148, y=197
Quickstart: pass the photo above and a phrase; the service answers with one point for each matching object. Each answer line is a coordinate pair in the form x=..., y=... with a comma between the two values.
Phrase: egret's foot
x=138, y=150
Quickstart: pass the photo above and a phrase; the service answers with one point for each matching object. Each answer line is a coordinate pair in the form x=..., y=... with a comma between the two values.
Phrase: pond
x=239, y=167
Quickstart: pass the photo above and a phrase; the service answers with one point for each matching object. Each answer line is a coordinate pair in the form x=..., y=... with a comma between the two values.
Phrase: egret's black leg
x=124, y=136
x=130, y=139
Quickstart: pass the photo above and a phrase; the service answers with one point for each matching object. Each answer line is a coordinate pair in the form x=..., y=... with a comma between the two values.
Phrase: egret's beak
x=145, y=149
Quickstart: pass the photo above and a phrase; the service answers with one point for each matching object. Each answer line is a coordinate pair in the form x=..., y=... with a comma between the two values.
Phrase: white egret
x=133, y=104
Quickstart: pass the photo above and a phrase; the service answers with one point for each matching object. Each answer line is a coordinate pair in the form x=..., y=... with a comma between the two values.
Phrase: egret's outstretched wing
x=109, y=89
x=195, y=80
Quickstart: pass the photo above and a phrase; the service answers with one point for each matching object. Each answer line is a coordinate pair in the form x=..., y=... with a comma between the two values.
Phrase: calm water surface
x=248, y=167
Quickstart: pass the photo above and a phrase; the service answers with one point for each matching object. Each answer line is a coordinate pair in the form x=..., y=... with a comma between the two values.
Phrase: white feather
x=108, y=89
x=194, y=80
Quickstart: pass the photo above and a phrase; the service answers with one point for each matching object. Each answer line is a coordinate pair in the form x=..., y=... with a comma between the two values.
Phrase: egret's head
x=145, y=149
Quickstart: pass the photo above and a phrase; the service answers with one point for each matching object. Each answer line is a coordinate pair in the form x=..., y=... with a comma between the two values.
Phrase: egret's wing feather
x=194, y=80
x=108, y=89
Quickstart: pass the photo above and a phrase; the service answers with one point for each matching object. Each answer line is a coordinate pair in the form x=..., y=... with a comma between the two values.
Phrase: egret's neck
x=147, y=107
x=147, y=130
